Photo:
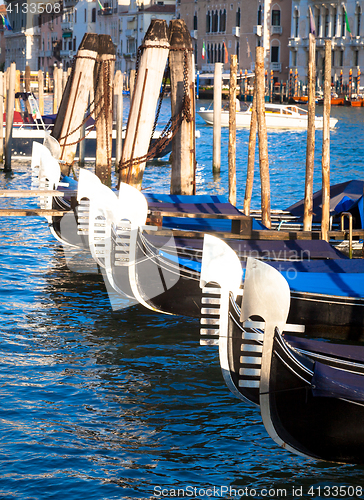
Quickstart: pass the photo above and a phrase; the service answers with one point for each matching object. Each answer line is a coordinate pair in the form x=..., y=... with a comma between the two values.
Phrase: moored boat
x=310, y=394
x=277, y=116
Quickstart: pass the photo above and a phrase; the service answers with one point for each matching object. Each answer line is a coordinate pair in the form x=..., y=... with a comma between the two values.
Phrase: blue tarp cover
x=319, y=277
x=334, y=383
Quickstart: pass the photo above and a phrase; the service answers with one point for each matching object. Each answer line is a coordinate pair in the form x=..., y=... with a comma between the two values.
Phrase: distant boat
x=278, y=116
x=29, y=125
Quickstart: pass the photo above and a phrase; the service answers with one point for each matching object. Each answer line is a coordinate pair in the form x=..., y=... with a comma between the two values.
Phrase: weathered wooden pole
x=27, y=78
x=55, y=89
x=216, y=132
x=82, y=143
x=103, y=96
x=41, y=91
x=144, y=102
x=325, y=221
x=131, y=83
x=118, y=92
x=2, y=114
x=232, y=129
x=64, y=80
x=182, y=106
x=59, y=86
x=350, y=83
x=17, y=89
x=74, y=101
x=251, y=154
x=262, y=137
x=310, y=150
x=10, y=101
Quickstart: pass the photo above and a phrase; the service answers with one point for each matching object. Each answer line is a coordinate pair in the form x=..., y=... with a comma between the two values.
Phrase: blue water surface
x=98, y=403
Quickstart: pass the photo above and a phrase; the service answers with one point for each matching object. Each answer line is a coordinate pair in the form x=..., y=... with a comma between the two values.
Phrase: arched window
x=215, y=21
x=343, y=21
x=195, y=21
x=318, y=22
x=237, y=19
x=208, y=53
x=327, y=24
x=334, y=18
x=296, y=17
x=216, y=54
x=276, y=17
x=219, y=59
x=259, y=21
x=274, y=52
x=208, y=22
x=222, y=23
x=358, y=19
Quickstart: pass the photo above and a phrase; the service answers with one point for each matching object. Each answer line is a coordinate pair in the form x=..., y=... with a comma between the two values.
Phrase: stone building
x=134, y=23
x=237, y=27
x=331, y=19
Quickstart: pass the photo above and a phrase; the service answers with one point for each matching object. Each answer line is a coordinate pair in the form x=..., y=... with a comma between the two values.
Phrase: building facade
x=22, y=43
x=237, y=27
x=331, y=21
x=50, y=42
x=134, y=23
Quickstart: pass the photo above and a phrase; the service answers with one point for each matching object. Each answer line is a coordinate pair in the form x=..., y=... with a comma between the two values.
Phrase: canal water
x=104, y=404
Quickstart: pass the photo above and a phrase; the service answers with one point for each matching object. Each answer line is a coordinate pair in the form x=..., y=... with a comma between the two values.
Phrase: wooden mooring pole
x=232, y=129
x=325, y=221
x=10, y=101
x=41, y=91
x=103, y=96
x=182, y=104
x=131, y=83
x=251, y=154
x=27, y=78
x=74, y=102
x=262, y=137
x=2, y=87
x=216, y=133
x=17, y=89
x=55, y=89
x=118, y=93
x=144, y=102
x=310, y=150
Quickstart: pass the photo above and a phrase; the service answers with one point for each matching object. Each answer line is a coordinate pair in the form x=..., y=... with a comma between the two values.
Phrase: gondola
x=329, y=292
x=164, y=274
x=311, y=402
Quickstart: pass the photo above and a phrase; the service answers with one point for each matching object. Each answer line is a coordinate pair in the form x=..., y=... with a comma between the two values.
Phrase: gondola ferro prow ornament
x=221, y=266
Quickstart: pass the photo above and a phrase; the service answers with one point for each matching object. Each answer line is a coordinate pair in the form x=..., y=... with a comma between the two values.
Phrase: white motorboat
x=278, y=116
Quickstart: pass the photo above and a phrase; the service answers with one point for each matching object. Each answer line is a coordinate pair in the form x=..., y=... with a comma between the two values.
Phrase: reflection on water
x=107, y=404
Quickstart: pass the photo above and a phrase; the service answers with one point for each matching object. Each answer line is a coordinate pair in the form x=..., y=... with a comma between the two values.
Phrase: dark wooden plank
x=36, y=212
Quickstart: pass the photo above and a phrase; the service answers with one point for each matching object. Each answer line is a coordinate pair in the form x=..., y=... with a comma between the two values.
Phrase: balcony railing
x=276, y=66
x=276, y=30
x=293, y=43
x=66, y=26
x=106, y=11
x=66, y=53
x=258, y=30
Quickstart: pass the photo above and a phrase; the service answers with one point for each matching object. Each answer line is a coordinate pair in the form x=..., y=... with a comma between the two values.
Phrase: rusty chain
x=96, y=104
x=174, y=123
